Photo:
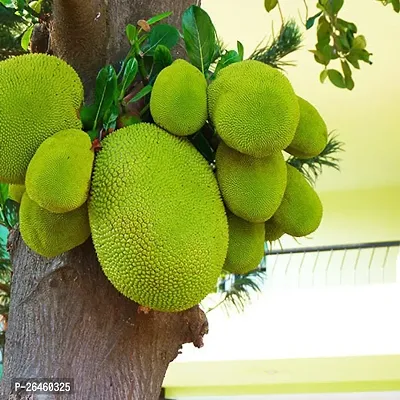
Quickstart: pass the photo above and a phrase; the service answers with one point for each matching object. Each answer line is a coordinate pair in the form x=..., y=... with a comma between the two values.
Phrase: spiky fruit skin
x=15, y=192
x=40, y=95
x=157, y=218
x=178, y=100
x=273, y=231
x=58, y=176
x=300, y=212
x=50, y=234
x=252, y=188
x=311, y=135
x=253, y=108
x=246, y=245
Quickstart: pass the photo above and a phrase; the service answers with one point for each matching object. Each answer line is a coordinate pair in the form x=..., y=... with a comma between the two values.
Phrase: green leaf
x=26, y=38
x=18, y=4
x=336, y=78
x=323, y=75
x=158, y=17
x=228, y=58
x=110, y=117
x=3, y=193
x=359, y=42
x=336, y=5
x=240, y=48
x=166, y=35
x=270, y=4
x=323, y=32
x=7, y=3
x=162, y=59
x=93, y=134
x=88, y=116
x=396, y=5
x=106, y=91
x=347, y=75
x=36, y=5
x=310, y=22
x=199, y=36
x=131, y=33
x=11, y=209
x=144, y=92
x=130, y=71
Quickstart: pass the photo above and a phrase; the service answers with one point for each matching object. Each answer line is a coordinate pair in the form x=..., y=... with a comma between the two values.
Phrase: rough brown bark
x=66, y=320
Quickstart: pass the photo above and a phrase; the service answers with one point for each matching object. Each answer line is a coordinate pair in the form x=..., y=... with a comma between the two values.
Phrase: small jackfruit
x=311, y=135
x=40, y=95
x=300, y=212
x=50, y=234
x=272, y=231
x=253, y=108
x=157, y=218
x=246, y=245
x=252, y=188
x=178, y=100
x=15, y=192
x=58, y=176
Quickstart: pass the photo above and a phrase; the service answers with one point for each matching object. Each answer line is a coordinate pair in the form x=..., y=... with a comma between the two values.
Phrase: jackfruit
x=311, y=135
x=58, y=176
x=178, y=100
x=15, y=192
x=300, y=212
x=40, y=95
x=252, y=188
x=50, y=234
x=253, y=108
x=272, y=231
x=246, y=245
x=157, y=218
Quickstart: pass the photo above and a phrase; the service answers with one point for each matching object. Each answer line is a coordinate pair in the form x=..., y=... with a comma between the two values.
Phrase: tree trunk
x=66, y=320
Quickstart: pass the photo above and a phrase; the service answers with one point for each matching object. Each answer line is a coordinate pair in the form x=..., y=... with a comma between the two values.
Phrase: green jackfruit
x=311, y=135
x=58, y=176
x=253, y=108
x=252, y=188
x=50, y=234
x=157, y=218
x=40, y=95
x=15, y=192
x=246, y=245
x=300, y=212
x=178, y=100
x=272, y=231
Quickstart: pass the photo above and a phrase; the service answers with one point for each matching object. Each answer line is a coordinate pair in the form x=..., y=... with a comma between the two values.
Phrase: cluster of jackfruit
x=164, y=224
x=44, y=156
x=257, y=114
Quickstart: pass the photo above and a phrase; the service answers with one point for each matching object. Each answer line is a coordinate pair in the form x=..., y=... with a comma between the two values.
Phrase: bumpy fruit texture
x=272, y=231
x=246, y=245
x=40, y=95
x=252, y=188
x=254, y=108
x=300, y=212
x=158, y=222
x=178, y=100
x=15, y=192
x=311, y=135
x=50, y=234
x=58, y=176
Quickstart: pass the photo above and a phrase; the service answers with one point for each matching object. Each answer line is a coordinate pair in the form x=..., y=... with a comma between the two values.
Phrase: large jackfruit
x=158, y=222
x=50, y=234
x=300, y=212
x=58, y=176
x=40, y=95
x=273, y=231
x=246, y=245
x=311, y=135
x=252, y=188
x=178, y=100
x=254, y=108
x=15, y=192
